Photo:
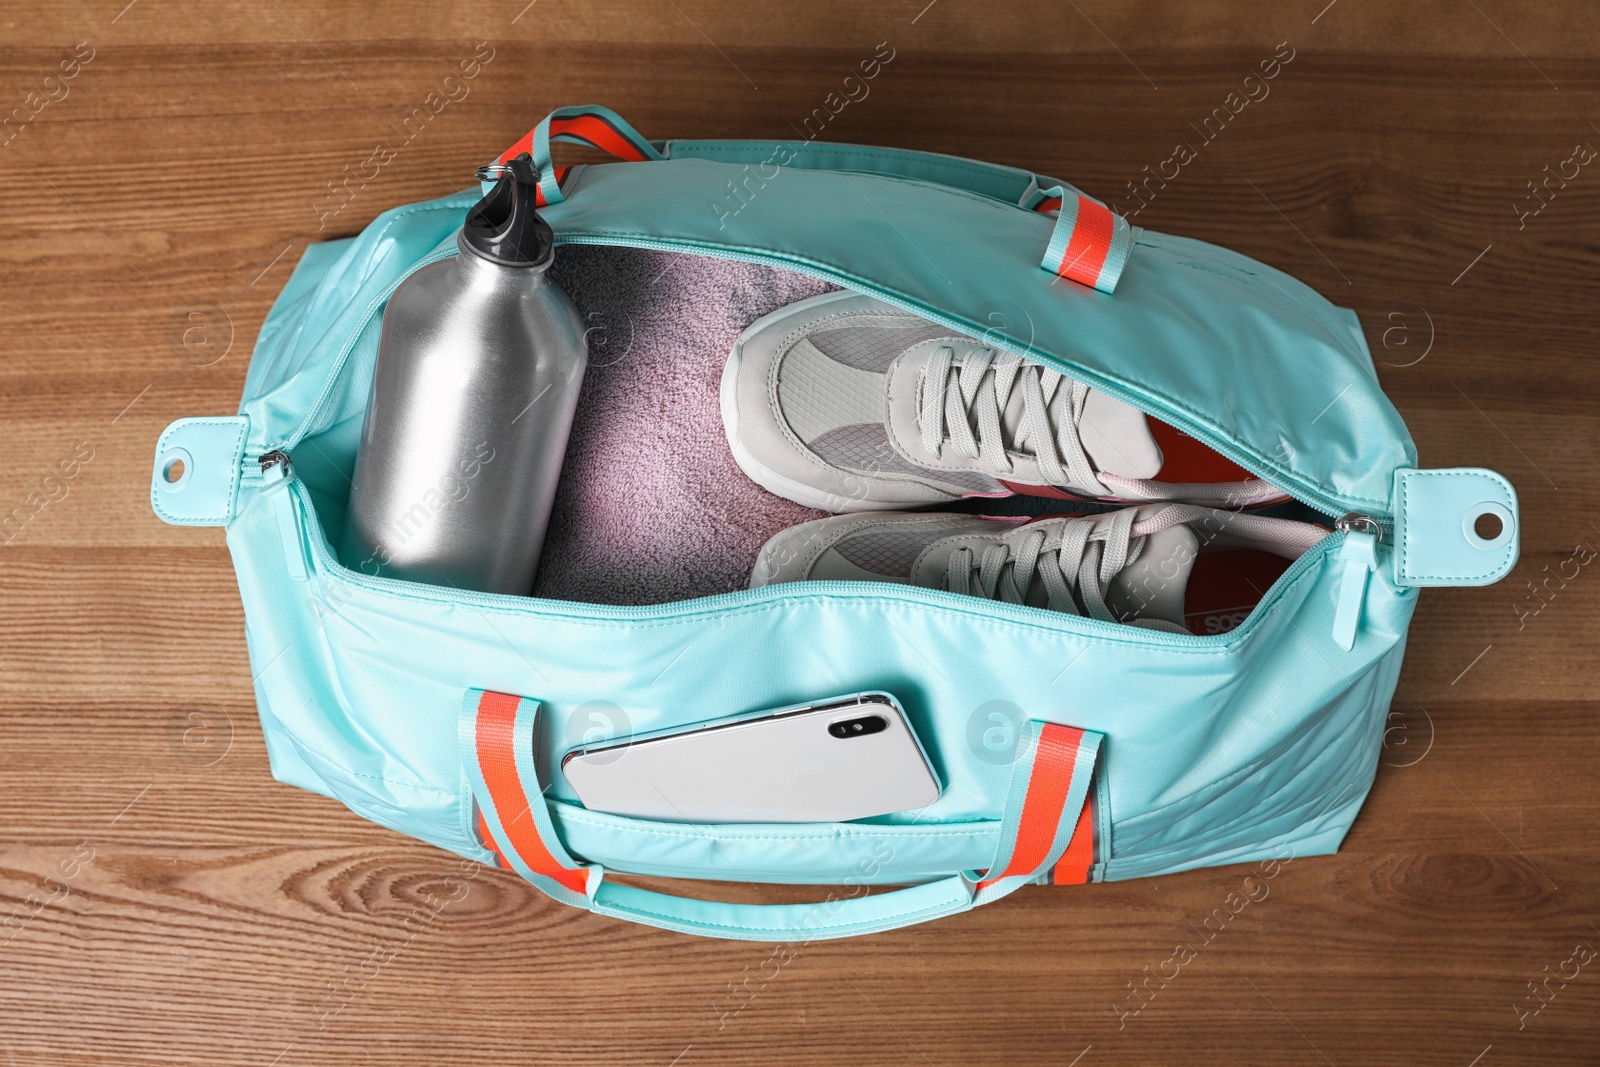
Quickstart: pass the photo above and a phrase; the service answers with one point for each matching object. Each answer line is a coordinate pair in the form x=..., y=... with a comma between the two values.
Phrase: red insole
x=1186, y=459
x=1225, y=587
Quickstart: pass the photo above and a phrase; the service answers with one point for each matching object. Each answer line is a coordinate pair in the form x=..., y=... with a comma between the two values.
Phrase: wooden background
x=162, y=900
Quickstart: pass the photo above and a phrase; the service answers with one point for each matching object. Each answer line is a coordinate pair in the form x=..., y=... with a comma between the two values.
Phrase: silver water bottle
x=479, y=365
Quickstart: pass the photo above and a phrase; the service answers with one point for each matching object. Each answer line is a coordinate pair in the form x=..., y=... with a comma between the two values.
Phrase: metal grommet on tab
x=175, y=468
x=1479, y=512
x=198, y=462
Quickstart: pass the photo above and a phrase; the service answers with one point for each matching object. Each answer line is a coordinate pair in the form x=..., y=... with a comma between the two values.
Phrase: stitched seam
x=996, y=170
x=682, y=921
x=336, y=765
x=1101, y=846
x=1238, y=638
x=1405, y=541
x=233, y=474
x=348, y=344
x=967, y=616
x=820, y=836
x=832, y=271
x=878, y=602
x=1006, y=207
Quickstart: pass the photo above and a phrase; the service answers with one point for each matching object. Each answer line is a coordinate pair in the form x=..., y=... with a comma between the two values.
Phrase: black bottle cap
x=503, y=227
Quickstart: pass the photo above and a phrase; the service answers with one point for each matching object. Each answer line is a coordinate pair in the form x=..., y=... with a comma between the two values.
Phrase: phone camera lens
x=866, y=724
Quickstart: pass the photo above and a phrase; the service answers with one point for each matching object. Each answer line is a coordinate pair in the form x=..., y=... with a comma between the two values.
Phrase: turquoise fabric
x=1253, y=744
x=197, y=471
x=1435, y=535
x=1006, y=184
x=523, y=836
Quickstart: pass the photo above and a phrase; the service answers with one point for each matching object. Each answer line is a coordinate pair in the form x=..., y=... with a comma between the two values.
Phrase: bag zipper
x=339, y=361
x=1360, y=531
x=1324, y=503
x=277, y=474
x=278, y=471
x=1359, y=556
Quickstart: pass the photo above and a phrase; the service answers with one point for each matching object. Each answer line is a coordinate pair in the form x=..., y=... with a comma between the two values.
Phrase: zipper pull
x=276, y=471
x=1360, y=556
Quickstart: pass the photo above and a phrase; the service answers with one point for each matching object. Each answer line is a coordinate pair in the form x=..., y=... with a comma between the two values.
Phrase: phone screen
x=848, y=758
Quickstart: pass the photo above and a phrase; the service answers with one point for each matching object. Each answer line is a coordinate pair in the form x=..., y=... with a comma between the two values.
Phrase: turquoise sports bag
x=1071, y=750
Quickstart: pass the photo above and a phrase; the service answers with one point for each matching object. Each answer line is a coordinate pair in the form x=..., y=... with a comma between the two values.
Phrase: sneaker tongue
x=1154, y=585
x=1116, y=436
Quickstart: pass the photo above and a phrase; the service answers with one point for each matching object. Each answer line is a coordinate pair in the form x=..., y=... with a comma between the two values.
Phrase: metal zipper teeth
x=1333, y=507
x=345, y=349
x=535, y=607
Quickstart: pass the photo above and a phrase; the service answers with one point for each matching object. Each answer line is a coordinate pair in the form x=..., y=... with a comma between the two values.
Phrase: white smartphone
x=847, y=758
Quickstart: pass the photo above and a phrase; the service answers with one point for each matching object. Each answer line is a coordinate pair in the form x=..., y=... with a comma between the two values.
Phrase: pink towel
x=651, y=506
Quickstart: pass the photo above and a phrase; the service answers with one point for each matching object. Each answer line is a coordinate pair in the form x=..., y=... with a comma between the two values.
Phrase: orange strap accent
x=1090, y=244
x=600, y=133
x=1049, y=781
x=497, y=762
x=1073, y=866
x=538, y=194
x=592, y=129
x=1091, y=240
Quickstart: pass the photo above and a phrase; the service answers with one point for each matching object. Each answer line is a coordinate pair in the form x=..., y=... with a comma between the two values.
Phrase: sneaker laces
x=1075, y=573
x=956, y=391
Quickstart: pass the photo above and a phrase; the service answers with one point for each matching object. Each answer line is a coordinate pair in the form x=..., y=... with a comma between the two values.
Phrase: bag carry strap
x=1049, y=820
x=995, y=181
x=1089, y=245
x=587, y=124
x=1048, y=824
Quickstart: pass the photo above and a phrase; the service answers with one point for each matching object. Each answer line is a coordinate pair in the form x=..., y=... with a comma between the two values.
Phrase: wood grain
x=169, y=903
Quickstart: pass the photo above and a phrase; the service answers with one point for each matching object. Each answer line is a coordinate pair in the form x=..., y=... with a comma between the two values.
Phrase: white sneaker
x=1175, y=567
x=844, y=403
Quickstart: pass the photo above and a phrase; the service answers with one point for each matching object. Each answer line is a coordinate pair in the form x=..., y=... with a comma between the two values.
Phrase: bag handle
x=586, y=124
x=1089, y=245
x=994, y=181
x=1048, y=823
